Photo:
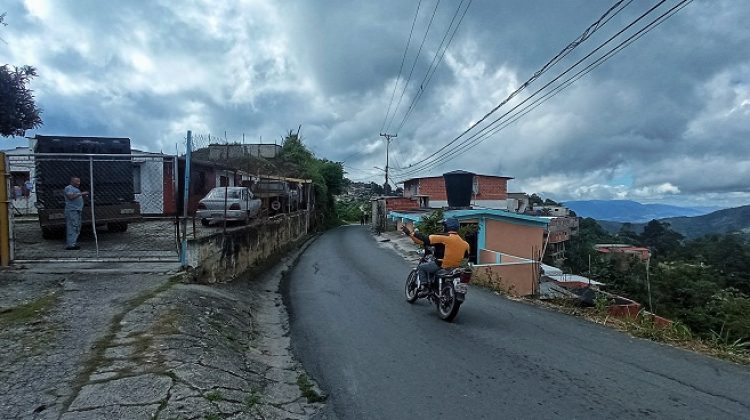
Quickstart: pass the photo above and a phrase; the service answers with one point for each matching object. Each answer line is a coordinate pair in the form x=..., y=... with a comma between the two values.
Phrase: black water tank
x=459, y=186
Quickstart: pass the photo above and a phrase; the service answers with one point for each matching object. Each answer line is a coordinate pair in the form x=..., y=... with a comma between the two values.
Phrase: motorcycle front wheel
x=447, y=303
x=411, y=287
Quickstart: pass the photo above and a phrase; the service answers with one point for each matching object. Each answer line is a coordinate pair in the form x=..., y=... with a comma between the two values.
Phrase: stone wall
x=222, y=257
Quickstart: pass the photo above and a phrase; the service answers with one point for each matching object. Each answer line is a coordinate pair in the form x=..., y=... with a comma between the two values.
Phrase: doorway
x=472, y=238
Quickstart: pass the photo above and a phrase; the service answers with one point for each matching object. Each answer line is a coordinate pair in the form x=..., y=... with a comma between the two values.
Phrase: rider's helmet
x=450, y=225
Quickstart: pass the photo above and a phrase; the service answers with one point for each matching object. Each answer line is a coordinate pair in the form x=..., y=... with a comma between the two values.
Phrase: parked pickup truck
x=277, y=196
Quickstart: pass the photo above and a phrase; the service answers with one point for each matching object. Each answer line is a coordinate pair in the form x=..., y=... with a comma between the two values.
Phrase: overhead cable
x=476, y=139
x=433, y=66
x=593, y=28
x=401, y=67
x=414, y=64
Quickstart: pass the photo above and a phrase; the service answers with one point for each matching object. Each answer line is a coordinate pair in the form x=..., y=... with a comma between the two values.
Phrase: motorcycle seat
x=447, y=272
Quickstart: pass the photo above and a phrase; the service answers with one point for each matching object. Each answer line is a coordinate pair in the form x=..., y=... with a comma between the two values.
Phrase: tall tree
x=627, y=234
x=327, y=176
x=535, y=199
x=18, y=112
x=661, y=238
x=581, y=247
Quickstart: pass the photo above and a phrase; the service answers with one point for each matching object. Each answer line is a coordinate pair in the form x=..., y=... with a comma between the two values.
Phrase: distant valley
x=727, y=221
x=632, y=211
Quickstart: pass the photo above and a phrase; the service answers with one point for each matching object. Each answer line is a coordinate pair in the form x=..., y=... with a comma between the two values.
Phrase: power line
x=430, y=71
x=433, y=67
x=482, y=134
x=556, y=59
x=601, y=60
x=565, y=84
x=413, y=65
x=401, y=67
x=396, y=153
x=593, y=28
x=357, y=169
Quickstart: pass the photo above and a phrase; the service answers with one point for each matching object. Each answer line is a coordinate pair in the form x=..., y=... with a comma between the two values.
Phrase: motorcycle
x=447, y=290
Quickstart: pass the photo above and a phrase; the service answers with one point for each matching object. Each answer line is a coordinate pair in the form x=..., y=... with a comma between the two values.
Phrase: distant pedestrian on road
x=362, y=219
x=73, y=209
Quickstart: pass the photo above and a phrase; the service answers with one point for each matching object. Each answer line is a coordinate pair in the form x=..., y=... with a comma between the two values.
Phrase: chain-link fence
x=221, y=170
x=129, y=206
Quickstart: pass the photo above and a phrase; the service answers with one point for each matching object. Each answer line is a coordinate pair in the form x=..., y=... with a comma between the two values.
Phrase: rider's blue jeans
x=426, y=270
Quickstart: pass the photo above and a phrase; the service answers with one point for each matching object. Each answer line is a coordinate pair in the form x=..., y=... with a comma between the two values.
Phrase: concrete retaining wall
x=513, y=279
x=221, y=257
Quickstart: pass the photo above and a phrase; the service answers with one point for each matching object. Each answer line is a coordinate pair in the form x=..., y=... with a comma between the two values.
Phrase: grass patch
x=492, y=281
x=167, y=324
x=308, y=390
x=252, y=399
x=643, y=326
x=29, y=311
x=96, y=357
x=213, y=417
x=214, y=396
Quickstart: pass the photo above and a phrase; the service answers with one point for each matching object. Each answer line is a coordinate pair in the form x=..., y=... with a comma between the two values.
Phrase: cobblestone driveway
x=80, y=344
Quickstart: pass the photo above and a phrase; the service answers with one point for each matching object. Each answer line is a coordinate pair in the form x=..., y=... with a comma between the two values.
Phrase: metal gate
x=129, y=214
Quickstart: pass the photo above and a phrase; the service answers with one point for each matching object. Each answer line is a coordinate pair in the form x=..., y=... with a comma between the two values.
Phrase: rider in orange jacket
x=450, y=249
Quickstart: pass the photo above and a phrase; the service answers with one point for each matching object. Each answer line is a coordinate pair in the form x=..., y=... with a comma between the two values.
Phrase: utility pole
x=388, y=138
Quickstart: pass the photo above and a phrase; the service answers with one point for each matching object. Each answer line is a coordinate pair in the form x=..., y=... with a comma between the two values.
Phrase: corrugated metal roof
x=573, y=278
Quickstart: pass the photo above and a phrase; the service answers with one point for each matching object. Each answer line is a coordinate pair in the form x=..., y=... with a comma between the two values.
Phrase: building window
x=223, y=181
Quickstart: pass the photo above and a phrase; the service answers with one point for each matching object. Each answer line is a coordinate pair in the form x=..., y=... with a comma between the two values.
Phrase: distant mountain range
x=735, y=220
x=632, y=211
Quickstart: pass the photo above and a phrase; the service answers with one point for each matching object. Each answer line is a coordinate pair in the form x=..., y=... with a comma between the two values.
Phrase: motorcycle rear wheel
x=410, y=289
x=447, y=304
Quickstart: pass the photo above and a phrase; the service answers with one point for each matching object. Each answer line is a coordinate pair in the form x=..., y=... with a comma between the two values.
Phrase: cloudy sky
x=665, y=120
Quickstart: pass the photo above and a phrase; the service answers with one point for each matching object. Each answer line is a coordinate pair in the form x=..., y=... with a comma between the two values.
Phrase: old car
x=277, y=196
x=234, y=203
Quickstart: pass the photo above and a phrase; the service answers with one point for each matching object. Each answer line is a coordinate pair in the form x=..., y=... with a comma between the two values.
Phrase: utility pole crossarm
x=388, y=138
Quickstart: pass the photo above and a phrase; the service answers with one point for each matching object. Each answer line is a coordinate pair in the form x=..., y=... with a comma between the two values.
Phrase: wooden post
x=5, y=214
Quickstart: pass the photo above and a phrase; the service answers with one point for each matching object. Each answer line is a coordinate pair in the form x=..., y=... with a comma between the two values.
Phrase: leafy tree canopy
x=18, y=112
x=327, y=177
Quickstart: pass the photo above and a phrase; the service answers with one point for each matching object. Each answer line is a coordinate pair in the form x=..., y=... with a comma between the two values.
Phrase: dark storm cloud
x=673, y=104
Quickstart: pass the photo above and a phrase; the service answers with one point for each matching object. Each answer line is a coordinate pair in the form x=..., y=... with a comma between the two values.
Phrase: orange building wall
x=487, y=257
x=513, y=239
x=516, y=280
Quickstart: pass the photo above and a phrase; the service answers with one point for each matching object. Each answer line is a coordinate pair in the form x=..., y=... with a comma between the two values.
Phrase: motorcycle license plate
x=461, y=288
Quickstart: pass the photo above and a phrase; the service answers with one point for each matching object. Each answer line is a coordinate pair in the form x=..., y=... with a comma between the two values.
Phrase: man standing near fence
x=73, y=209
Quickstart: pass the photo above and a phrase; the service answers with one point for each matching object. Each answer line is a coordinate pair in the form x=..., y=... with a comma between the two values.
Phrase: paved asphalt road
x=379, y=357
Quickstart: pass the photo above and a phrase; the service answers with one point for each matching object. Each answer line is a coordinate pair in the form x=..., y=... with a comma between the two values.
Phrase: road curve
x=379, y=357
